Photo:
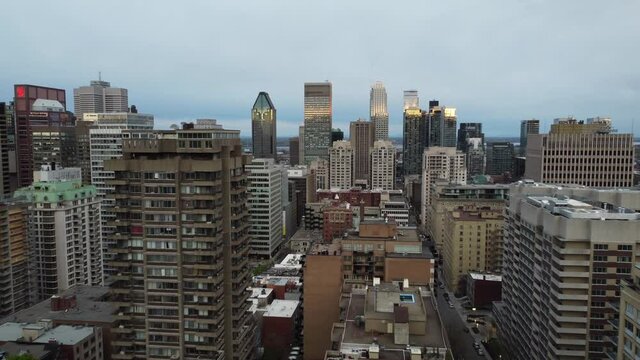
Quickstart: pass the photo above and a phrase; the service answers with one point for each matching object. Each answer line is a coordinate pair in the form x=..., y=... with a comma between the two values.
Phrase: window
x=625, y=247
x=601, y=247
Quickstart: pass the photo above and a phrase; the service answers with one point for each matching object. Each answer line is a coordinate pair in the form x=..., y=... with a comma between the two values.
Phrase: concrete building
x=355, y=197
x=378, y=112
x=440, y=163
x=263, y=127
x=388, y=321
x=446, y=197
x=337, y=219
x=383, y=165
x=44, y=130
x=66, y=246
x=527, y=127
x=565, y=250
x=99, y=97
x=5, y=178
x=280, y=325
x=483, y=289
x=341, y=162
x=625, y=344
x=361, y=137
x=14, y=257
x=476, y=158
x=469, y=131
x=394, y=206
x=106, y=132
x=442, y=126
x=304, y=189
x=182, y=264
x=320, y=173
x=294, y=151
x=472, y=243
x=575, y=152
x=318, y=112
x=265, y=208
x=415, y=138
x=500, y=158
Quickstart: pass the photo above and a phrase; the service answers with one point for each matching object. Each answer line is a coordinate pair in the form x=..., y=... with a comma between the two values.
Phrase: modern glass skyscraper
x=317, y=120
x=527, y=127
x=263, y=127
x=468, y=131
x=442, y=123
x=415, y=139
x=378, y=113
x=411, y=99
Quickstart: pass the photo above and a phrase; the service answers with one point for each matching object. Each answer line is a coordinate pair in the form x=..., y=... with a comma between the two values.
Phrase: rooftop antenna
x=99, y=75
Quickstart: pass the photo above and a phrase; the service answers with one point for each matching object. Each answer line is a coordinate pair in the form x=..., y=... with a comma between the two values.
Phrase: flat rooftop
x=576, y=209
x=64, y=334
x=326, y=249
x=92, y=307
x=487, y=277
x=282, y=308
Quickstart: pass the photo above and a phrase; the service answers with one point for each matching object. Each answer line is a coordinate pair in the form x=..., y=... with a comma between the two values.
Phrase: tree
x=22, y=357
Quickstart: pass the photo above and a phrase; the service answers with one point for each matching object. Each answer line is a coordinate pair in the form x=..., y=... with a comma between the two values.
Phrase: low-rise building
x=483, y=289
x=280, y=326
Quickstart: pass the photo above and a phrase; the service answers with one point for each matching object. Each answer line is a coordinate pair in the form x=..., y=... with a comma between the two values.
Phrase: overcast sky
x=497, y=62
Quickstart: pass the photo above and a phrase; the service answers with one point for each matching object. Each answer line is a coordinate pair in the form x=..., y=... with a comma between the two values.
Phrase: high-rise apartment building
x=317, y=121
x=65, y=244
x=500, y=158
x=565, y=251
x=624, y=345
x=106, y=131
x=361, y=137
x=5, y=180
x=411, y=99
x=383, y=165
x=263, y=127
x=527, y=127
x=472, y=242
x=466, y=132
x=265, y=208
x=14, y=257
x=476, y=158
x=44, y=130
x=181, y=245
x=440, y=163
x=320, y=172
x=575, y=152
x=99, y=97
x=442, y=126
x=414, y=140
x=341, y=165
x=294, y=151
x=378, y=113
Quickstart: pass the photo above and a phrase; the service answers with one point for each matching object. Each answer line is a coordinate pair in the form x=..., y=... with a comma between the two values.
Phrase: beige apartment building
x=472, y=242
x=383, y=165
x=181, y=246
x=446, y=197
x=566, y=249
x=626, y=345
x=440, y=163
x=341, y=165
x=575, y=152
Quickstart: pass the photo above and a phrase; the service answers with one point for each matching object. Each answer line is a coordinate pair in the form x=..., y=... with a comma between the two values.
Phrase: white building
x=99, y=97
x=265, y=185
x=383, y=165
x=378, y=113
x=440, y=163
x=105, y=143
x=341, y=165
x=64, y=232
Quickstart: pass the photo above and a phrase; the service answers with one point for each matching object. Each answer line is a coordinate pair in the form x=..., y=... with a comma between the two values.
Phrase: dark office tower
x=361, y=136
x=83, y=148
x=442, y=126
x=468, y=131
x=5, y=186
x=317, y=121
x=294, y=151
x=527, y=127
x=500, y=157
x=378, y=113
x=263, y=127
x=433, y=103
x=414, y=140
x=336, y=135
x=44, y=130
x=181, y=253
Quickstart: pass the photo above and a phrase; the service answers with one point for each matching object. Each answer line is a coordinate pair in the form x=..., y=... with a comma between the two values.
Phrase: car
x=450, y=305
x=466, y=329
x=441, y=286
x=476, y=345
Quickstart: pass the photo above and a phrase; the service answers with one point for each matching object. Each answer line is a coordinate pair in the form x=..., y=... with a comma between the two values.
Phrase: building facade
x=414, y=140
x=66, y=243
x=341, y=163
x=263, y=127
x=361, y=137
x=294, y=151
x=476, y=159
x=378, y=112
x=318, y=115
x=14, y=257
x=444, y=164
x=411, y=99
x=182, y=245
x=442, y=126
x=99, y=97
x=466, y=132
x=383, y=165
x=527, y=127
x=500, y=158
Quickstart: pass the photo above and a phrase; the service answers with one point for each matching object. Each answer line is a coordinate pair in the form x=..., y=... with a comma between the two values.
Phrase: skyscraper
x=440, y=163
x=361, y=137
x=415, y=139
x=44, y=130
x=265, y=208
x=442, y=126
x=5, y=183
x=336, y=135
x=410, y=99
x=466, y=131
x=476, y=157
x=9, y=126
x=99, y=97
x=378, y=113
x=383, y=164
x=66, y=244
x=301, y=143
x=527, y=127
x=263, y=127
x=181, y=253
x=14, y=257
x=294, y=150
x=500, y=158
x=575, y=152
x=341, y=165
x=317, y=120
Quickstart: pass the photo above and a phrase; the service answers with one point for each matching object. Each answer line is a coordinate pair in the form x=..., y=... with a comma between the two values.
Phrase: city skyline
x=473, y=69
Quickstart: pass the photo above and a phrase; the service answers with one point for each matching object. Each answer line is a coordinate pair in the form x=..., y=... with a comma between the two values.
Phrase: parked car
x=476, y=345
x=466, y=329
x=450, y=305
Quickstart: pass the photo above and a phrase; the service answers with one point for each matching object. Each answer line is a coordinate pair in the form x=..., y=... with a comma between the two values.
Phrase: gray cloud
x=496, y=61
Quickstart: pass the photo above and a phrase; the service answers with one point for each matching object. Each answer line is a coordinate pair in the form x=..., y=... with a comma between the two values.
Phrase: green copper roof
x=56, y=191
